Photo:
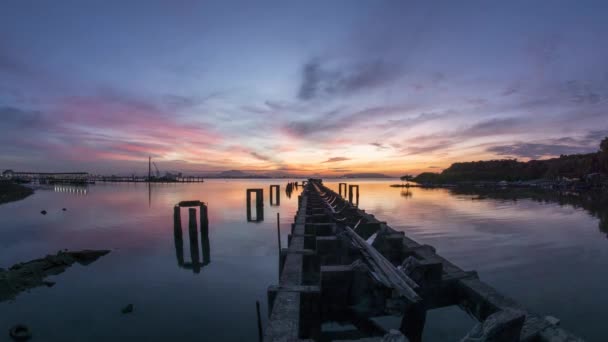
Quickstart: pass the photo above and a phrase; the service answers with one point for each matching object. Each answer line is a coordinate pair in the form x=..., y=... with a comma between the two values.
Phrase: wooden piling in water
x=259, y=205
x=204, y=219
x=177, y=235
x=279, y=230
x=260, y=332
x=340, y=191
x=275, y=195
x=350, y=194
x=194, y=252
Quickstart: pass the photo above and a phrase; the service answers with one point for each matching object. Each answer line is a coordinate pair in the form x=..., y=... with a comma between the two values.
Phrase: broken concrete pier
x=344, y=265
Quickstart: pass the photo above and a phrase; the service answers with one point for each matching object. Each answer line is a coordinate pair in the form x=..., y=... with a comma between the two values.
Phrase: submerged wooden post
x=204, y=219
x=249, y=204
x=194, y=253
x=259, y=205
x=177, y=235
x=340, y=192
x=177, y=219
x=275, y=195
x=350, y=193
x=205, y=246
x=257, y=309
x=279, y=230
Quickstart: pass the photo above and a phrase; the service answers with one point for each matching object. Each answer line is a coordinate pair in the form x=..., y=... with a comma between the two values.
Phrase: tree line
x=570, y=166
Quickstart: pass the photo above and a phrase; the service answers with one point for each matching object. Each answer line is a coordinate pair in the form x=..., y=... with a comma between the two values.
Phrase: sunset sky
x=328, y=87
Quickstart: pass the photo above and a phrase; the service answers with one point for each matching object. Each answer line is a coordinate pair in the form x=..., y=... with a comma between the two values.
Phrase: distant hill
x=570, y=166
x=365, y=175
x=242, y=174
x=232, y=174
x=235, y=174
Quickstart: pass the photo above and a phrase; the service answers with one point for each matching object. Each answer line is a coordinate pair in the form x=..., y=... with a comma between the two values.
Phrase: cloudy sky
x=330, y=87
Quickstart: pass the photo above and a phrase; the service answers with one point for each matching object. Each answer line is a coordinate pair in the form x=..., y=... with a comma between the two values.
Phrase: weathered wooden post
x=275, y=196
x=204, y=219
x=257, y=309
x=350, y=193
x=194, y=253
x=340, y=191
x=279, y=242
x=249, y=204
x=205, y=246
x=259, y=205
x=177, y=235
x=279, y=230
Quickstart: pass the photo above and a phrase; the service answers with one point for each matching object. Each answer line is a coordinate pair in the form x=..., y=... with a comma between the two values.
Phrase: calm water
x=549, y=253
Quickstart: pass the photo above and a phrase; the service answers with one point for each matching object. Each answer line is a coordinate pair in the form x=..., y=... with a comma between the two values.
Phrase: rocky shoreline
x=10, y=192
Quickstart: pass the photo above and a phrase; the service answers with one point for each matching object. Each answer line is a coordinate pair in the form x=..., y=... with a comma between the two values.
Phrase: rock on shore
x=24, y=276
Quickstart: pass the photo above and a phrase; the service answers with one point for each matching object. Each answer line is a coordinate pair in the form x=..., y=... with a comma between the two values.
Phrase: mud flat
x=24, y=276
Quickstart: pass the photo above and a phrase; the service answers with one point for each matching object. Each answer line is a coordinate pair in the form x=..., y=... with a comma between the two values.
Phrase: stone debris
x=20, y=332
x=24, y=276
x=552, y=320
x=127, y=309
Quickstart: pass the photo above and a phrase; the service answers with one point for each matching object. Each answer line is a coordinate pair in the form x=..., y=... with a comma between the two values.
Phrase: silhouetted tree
x=604, y=155
x=406, y=178
x=570, y=166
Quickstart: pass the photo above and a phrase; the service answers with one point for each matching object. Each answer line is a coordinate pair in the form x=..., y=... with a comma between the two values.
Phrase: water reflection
x=594, y=202
x=275, y=195
x=406, y=193
x=259, y=205
x=71, y=189
x=195, y=265
x=289, y=189
x=342, y=189
x=521, y=248
x=351, y=196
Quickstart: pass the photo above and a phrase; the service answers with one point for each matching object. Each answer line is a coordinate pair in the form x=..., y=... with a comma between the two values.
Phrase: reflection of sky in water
x=546, y=256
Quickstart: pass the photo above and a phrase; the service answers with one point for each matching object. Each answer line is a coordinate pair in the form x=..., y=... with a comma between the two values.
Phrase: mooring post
x=177, y=219
x=205, y=246
x=275, y=195
x=257, y=309
x=279, y=231
x=194, y=254
x=350, y=193
x=260, y=205
x=340, y=191
x=249, y=204
x=177, y=235
x=279, y=240
x=204, y=219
